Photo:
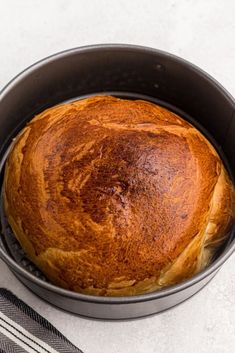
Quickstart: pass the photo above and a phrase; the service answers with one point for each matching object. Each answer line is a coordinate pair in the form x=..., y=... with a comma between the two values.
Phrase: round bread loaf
x=116, y=197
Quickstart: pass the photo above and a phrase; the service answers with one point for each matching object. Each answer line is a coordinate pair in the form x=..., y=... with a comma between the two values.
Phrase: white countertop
x=202, y=32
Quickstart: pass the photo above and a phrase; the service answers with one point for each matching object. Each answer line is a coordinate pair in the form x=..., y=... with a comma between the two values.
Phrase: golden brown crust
x=116, y=197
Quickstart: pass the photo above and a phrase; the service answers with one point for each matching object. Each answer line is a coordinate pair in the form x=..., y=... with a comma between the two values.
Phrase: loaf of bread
x=116, y=197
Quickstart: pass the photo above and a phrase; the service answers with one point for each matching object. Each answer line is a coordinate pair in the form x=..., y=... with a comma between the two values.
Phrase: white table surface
x=200, y=31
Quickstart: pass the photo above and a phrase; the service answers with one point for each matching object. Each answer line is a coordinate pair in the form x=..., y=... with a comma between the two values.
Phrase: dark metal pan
x=125, y=71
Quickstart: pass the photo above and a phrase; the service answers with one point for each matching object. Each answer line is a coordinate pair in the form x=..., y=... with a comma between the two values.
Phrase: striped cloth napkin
x=23, y=330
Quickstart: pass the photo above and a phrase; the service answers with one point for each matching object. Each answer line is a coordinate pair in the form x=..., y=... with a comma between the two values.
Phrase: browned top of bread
x=111, y=196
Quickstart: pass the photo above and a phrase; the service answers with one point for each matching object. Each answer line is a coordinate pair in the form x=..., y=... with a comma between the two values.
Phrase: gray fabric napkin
x=23, y=330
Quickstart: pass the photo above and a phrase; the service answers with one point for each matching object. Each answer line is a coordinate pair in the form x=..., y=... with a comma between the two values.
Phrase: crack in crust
x=116, y=197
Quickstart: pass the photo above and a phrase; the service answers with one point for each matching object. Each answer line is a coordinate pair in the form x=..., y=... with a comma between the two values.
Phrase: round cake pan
x=124, y=71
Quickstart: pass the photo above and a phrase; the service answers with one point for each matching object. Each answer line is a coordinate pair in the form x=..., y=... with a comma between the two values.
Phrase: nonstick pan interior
x=10, y=241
